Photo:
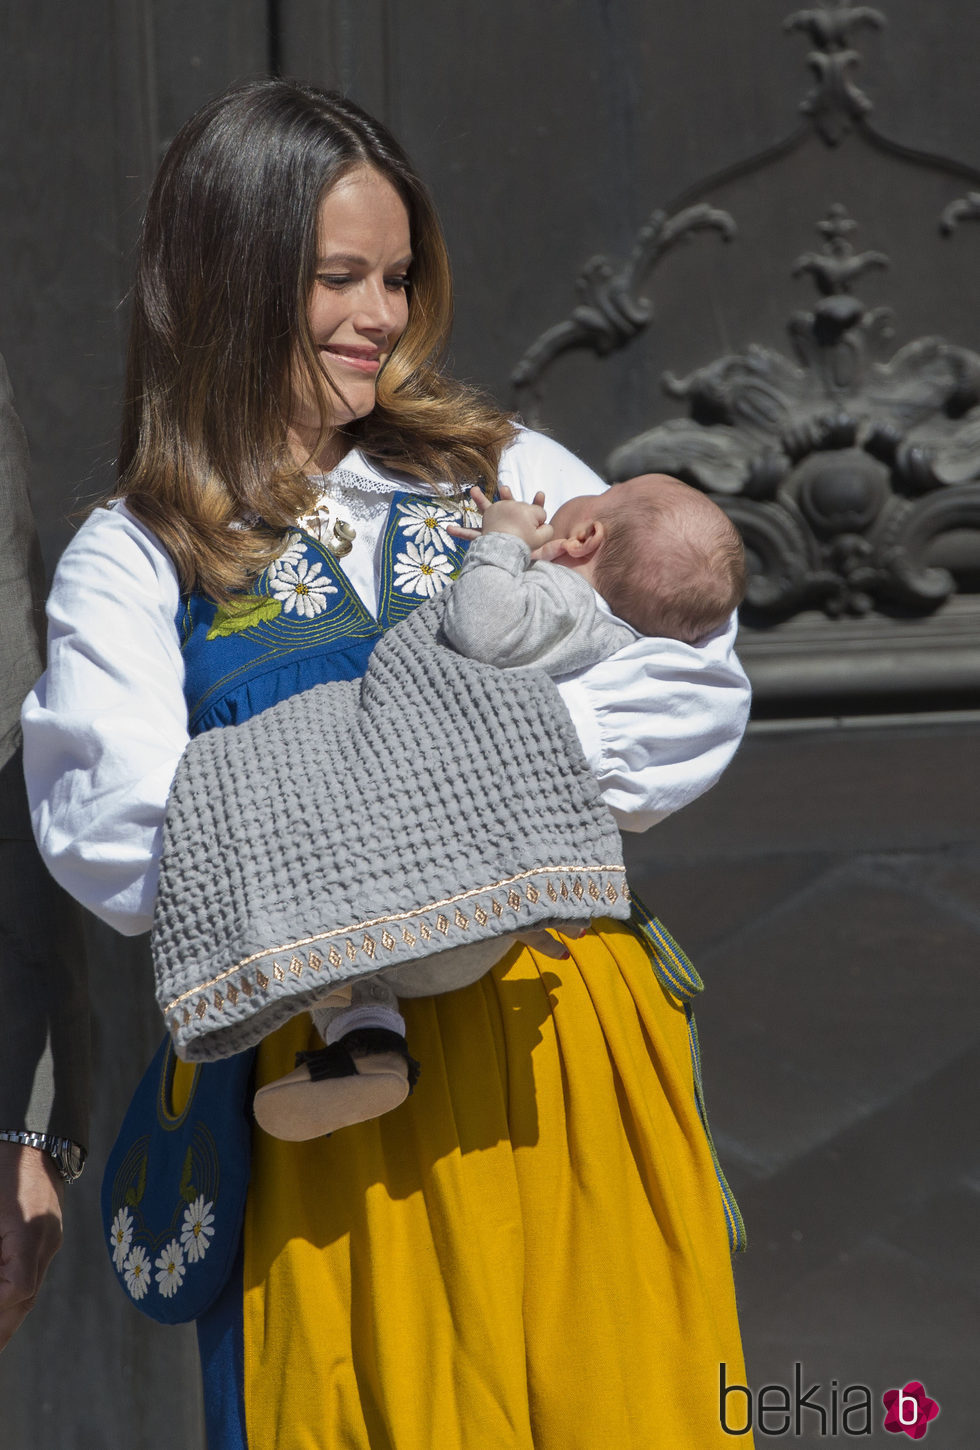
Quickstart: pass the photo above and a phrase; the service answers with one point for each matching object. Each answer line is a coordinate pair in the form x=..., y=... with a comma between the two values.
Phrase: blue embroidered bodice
x=301, y=623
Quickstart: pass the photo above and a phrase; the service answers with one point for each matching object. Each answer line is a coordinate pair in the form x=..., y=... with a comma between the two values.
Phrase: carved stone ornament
x=835, y=103
x=611, y=312
x=964, y=208
x=840, y=468
x=850, y=465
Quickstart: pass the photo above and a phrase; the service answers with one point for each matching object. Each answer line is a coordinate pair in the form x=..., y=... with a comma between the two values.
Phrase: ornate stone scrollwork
x=964, y=208
x=835, y=103
x=850, y=464
x=611, y=311
x=839, y=468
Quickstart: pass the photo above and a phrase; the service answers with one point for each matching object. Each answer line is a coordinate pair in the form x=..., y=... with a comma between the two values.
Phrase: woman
x=531, y=1252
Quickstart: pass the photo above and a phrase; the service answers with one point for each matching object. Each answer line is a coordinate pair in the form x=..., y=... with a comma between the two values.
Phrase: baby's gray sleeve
x=505, y=611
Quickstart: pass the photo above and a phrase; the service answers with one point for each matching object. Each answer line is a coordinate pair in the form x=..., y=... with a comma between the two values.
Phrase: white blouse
x=105, y=726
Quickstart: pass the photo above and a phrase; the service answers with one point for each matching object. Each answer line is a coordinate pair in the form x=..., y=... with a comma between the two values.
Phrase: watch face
x=70, y=1159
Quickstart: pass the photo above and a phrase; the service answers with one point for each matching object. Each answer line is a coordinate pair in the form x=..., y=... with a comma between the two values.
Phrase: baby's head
x=667, y=559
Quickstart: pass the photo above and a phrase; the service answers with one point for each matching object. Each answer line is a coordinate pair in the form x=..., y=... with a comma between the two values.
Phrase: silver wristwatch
x=68, y=1156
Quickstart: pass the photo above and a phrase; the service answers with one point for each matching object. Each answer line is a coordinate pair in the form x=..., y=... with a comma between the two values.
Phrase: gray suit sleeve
x=44, y=1031
x=507, y=612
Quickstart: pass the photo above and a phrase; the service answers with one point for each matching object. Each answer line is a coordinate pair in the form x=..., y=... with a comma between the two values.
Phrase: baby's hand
x=507, y=515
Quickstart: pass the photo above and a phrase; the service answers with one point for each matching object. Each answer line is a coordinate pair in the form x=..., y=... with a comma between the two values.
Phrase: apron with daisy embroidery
x=175, y=1181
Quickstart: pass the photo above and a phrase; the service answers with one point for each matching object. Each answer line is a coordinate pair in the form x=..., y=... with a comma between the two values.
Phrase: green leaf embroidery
x=134, y=1193
x=243, y=611
x=187, y=1190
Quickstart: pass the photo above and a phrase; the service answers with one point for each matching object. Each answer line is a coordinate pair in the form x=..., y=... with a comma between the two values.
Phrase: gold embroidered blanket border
x=280, y=975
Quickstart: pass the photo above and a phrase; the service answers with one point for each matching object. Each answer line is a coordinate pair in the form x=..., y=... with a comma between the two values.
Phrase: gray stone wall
x=827, y=887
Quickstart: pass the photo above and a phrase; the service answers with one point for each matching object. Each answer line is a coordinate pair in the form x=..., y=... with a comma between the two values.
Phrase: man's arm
x=31, y=1192
x=44, y=1035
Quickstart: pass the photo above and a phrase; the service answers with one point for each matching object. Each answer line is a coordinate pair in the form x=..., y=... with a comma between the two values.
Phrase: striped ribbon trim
x=676, y=974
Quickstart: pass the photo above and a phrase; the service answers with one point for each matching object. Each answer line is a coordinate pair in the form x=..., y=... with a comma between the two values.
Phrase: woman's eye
x=334, y=279
x=400, y=283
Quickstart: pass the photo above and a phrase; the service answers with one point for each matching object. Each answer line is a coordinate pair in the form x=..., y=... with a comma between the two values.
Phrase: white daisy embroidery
x=121, y=1237
x=420, y=570
x=197, y=1229
x=469, y=515
x=292, y=553
x=299, y=587
x=426, y=523
x=170, y=1269
x=137, y=1272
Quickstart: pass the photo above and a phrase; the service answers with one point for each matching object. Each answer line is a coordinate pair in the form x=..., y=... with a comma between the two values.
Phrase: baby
x=648, y=557
x=664, y=559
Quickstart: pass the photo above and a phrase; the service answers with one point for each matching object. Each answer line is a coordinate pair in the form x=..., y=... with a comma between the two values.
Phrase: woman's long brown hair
x=226, y=264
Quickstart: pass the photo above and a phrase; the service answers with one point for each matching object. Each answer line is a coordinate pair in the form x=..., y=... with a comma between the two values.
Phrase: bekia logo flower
x=909, y=1409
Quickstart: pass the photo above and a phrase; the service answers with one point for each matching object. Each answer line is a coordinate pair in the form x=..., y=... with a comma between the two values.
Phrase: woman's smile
x=358, y=308
x=363, y=360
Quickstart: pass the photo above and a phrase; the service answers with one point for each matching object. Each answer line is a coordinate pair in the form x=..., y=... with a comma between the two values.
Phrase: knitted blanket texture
x=408, y=823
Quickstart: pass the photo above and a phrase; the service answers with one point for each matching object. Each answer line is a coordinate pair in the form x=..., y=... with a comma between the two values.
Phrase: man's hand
x=508, y=515
x=31, y=1193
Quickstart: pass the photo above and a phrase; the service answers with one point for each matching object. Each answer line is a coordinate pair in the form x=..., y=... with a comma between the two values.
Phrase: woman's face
x=358, y=308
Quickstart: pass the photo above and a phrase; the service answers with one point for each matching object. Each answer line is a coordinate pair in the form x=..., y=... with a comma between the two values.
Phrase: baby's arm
x=503, y=613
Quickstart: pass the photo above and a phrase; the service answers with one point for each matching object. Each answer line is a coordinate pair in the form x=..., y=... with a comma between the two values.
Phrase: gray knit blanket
x=408, y=823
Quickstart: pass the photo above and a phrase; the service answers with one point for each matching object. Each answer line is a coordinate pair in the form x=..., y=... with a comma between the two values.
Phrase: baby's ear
x=586, y=541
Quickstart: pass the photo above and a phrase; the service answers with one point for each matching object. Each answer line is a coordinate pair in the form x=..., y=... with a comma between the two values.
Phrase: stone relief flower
x=839, y=467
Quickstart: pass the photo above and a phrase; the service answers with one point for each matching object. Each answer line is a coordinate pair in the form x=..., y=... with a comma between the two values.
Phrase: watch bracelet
x=68, y=1155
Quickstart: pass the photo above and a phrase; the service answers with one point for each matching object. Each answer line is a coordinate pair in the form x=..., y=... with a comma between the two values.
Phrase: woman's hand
x=508, y=515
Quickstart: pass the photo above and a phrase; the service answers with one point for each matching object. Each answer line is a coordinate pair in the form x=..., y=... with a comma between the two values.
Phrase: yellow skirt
x=529, y=1254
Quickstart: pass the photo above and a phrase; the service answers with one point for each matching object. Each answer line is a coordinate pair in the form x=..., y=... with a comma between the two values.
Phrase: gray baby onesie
x=505, y=611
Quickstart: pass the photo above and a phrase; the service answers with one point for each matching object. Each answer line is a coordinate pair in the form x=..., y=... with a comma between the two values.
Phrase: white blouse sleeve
x=658, y=720
x=105, y=726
